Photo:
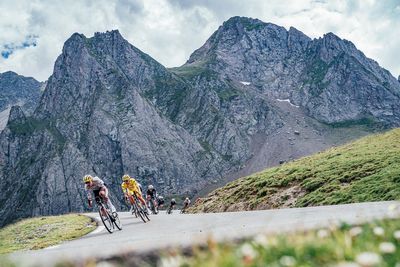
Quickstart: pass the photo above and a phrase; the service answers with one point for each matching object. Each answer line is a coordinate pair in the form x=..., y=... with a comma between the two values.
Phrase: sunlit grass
x=365, y=170
x=41, y=232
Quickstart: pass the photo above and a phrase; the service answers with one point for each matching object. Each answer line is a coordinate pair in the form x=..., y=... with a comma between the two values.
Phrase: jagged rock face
x=17, y=90
x=93, y=119
x=252, y=96
x=328, y=76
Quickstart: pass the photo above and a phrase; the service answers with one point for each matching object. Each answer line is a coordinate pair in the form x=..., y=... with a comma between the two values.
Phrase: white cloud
x=170, y=30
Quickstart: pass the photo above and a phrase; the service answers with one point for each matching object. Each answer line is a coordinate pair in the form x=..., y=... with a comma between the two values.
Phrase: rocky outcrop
x=17, y=90
x=255, y=94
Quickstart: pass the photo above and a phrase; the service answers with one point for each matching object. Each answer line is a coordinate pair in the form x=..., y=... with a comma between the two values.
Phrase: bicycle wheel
x=155, y=208
x=117, y=222
x=138, y=212
x=141, y=208
x=106, y=219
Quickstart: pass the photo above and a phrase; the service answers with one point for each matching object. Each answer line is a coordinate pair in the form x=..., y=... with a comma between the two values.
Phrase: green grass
x=325, y=247
x=365, y=170
x=41, y=232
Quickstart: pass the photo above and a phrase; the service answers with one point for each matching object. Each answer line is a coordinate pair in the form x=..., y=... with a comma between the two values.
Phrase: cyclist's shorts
x=130, y=192
x=97, y=196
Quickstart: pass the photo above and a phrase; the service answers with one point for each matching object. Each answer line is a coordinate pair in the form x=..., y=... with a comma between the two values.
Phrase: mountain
x=365, y=170
x=254, y=95
x=17, y=90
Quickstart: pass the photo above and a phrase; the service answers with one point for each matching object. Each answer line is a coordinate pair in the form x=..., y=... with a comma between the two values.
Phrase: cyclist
x=160, y=201
x=130, y=187
x=186, y=204
x=99, y=190
x=171, y=206
x=152, y=195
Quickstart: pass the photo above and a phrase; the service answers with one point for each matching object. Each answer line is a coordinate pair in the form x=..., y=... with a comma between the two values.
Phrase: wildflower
x=392, y=207
x=396, y=235
x=287, y=261
x=322, y=233
x=355, y=231
x=378, y=231
x=387, y=248
x=368, y=259
x=261, y=240
x=171, y=261
x=393, y=211
x=248, y=253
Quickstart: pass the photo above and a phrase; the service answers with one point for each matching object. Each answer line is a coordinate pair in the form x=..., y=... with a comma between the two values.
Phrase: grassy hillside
x=365, y=170
x=41, y=232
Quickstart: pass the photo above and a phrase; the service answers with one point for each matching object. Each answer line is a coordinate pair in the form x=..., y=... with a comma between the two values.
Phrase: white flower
x=287, y=261
x=387, y=247
x=396, y=234
x=247, y=250
x=322, y=233
x=261, y=240
x=393, y=211
x=378, y=231
x=355, y=231
x=368, y=259
x=171, y=261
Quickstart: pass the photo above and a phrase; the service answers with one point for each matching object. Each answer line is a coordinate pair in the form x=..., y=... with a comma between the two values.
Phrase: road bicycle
x=170, y=208
x=138, y=208
x=152, y=206
x=110, y=220
x=183, y=210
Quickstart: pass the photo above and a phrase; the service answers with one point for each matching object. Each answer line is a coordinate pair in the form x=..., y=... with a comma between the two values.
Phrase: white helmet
x=150, y=187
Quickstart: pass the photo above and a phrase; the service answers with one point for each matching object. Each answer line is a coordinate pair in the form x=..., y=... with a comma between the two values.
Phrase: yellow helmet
x=125, y=177
x=87, y=178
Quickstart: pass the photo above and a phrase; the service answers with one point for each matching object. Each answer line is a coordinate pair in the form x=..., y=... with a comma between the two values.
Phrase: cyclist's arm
x=88, y=194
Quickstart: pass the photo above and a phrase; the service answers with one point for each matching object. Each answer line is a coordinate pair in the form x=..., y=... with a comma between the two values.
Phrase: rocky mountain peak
x=17, y=90
x=8, y=74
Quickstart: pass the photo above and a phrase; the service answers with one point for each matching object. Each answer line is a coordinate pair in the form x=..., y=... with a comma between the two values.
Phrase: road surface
x=185, y=229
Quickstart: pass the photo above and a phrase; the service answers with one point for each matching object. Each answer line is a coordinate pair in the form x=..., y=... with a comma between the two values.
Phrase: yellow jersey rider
x=130, y=187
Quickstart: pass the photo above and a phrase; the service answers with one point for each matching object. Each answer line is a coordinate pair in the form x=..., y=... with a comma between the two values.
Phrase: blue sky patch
x=10, y=48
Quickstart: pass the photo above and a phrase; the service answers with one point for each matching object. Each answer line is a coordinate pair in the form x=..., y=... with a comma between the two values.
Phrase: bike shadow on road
x=134, y=223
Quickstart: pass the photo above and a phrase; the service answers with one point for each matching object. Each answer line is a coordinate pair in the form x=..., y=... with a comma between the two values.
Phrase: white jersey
x=97, y=184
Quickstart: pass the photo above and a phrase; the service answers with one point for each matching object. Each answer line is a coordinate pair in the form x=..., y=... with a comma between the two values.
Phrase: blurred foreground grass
x=375, y=244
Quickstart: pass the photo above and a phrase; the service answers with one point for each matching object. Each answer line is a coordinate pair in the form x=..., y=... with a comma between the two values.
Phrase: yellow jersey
x=132, y=186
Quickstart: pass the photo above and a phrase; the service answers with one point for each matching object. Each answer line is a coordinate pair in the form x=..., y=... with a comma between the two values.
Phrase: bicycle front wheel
x=139, y=212
x=106, y=219
x=117, y=222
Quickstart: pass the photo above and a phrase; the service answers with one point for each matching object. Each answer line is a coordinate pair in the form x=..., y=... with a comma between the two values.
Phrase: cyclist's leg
x=155, y=202
x=104, y=194
x=141, y=199
x=130, y=197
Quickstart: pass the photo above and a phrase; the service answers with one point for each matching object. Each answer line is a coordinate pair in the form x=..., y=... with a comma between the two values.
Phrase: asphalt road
x=185, y=229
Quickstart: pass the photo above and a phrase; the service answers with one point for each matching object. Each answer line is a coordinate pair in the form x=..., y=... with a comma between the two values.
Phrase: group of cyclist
x=131, y=188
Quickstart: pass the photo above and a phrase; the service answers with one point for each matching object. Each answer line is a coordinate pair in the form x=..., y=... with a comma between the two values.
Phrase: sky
x=32, y=32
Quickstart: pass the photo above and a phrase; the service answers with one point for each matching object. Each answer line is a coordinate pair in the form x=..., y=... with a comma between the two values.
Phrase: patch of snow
x=245, y=83
x=287, y=100
x=4, y=118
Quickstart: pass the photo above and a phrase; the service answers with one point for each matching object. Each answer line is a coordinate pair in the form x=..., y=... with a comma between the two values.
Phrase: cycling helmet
x=87, y=178
x=150, y=187
x=125, y=177
x=173, y=201
x=160, y=200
